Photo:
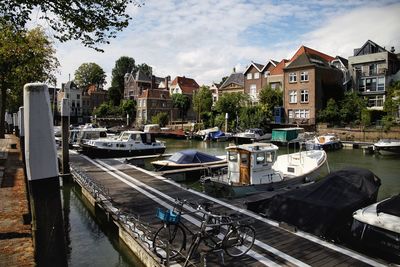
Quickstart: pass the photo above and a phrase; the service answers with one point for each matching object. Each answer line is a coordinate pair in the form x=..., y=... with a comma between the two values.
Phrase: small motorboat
x=251, y=135
x=388, y=147
x=325, y=142
x=255, y=168
x=378, y=227
x=127, y=144
x=188, y=159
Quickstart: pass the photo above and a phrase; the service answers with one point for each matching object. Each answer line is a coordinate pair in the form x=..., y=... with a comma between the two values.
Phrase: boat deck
x=141, y=192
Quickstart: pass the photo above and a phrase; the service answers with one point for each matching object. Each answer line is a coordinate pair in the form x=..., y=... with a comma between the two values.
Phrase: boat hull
x=387, y=150
x=163, y=166
x=95, y=152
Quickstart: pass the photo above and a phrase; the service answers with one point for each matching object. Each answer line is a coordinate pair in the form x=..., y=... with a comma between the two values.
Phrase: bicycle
x=237, y=240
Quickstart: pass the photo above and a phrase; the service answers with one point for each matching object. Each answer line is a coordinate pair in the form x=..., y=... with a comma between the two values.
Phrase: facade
x=74, y=94
x=309, y=82
x=214, y=92
x=136, y=83
x=372, y=69
x=342, y=64
x=233, y=84
x=151, y=102
x=92, y=98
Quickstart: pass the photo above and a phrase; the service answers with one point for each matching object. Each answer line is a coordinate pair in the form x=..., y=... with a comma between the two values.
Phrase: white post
x=226, y=122
x=43, y=180
x=127, y=119
x=15, y=122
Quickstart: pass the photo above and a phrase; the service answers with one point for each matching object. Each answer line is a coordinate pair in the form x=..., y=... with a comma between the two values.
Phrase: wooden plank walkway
x=141, y=192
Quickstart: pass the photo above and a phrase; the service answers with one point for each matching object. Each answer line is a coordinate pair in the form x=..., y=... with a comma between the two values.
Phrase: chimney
x=234, y=70
x=153, y=81
x=166, y=80
x=392, y=49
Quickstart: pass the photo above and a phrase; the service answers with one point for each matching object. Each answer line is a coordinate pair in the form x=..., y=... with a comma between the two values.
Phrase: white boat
x=388, y=147
x=378, y=226
x=258, y=167
x=84, y=135
x=325, y=142
x=251, y=135
x=127, y=144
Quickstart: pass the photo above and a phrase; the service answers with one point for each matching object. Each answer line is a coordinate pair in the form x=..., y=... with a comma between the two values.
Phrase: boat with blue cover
x=188, y=159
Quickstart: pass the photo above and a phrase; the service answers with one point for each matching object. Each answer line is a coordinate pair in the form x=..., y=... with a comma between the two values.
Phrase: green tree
x=202, y=100
x=253, y=116
x=123, y=65
x=392, y=105
x=182, y=102
x=270, y=99
x=92, y=22
x=331, y=113
x=160, y=119
x=351, y=107
x=222, y=81
x=231, y=103
x=25, y=56
x=128, y=106
x=88, y=74
x=146, y=69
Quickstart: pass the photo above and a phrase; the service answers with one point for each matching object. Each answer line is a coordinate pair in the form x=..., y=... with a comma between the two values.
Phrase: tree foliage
x=269, y=99
x=123, y=65
x=230, y=103
x=331, y=113
x=89, y=74
x=202, y=100
x=392, y=105
x=146, y=69
x=128, y=107
x=92, y=22
x=253, y=116
x=351, y=107
x=160, y=119
x=182, y=102
x=25, y=56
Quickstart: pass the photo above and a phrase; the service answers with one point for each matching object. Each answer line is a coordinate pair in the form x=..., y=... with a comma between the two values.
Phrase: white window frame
x=304, y=76
x=302, y=113
x=383, y=83
x=292, y=77
x=293, y=96
x=249, y=76
x=256, y=75
x=290, y=113
x=304, y=96
x=267, y=73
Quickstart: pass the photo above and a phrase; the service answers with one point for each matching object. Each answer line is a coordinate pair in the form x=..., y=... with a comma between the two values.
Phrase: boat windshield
x=124, y=136
x=232, y=156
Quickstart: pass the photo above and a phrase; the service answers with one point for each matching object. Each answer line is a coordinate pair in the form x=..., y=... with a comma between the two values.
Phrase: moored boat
x=285, y=135
x=188, y=159
x=254, y=168
x=388, y=147
x=325, y=142
x=127, y=144
x=378, y=227
x=251, y=135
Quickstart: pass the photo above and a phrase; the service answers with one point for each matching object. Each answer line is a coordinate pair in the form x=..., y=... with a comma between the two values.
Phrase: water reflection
x=91, y=242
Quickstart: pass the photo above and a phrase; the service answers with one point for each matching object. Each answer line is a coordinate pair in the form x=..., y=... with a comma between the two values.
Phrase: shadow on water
x=91, y=241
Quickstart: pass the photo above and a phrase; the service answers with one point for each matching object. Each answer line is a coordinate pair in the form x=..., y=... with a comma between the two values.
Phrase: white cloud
x=206, y=39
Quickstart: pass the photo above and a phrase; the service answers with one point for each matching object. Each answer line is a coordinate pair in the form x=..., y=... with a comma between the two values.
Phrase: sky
x=206, y=39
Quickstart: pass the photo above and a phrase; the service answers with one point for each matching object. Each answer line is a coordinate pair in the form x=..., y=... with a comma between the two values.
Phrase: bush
x=161, y=119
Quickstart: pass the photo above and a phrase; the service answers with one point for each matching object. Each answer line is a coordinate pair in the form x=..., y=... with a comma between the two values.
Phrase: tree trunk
x=2, y=110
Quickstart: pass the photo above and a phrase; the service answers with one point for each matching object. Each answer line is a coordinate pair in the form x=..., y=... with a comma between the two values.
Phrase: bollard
x=65, y=135
x=43, y=180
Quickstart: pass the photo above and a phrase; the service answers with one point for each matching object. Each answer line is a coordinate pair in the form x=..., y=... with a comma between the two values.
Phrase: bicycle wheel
x=239, y=240
x=172, y=234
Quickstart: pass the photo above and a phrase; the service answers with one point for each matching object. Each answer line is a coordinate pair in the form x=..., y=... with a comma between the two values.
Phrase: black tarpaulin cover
x=326, y=207
x=192, y=156
x=390, y=206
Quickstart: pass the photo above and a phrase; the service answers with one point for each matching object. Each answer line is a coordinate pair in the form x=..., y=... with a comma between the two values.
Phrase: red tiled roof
x=304, y=49
x=155, y=93
x=188, y=85
x=279, y=67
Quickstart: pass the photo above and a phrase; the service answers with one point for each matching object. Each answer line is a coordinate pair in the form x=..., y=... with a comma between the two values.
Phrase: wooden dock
x=141, y=192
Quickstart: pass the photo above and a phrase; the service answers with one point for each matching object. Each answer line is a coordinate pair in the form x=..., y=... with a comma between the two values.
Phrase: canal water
x=92, y=243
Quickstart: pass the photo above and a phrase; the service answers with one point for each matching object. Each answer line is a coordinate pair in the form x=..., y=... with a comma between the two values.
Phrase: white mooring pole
x=43, y=179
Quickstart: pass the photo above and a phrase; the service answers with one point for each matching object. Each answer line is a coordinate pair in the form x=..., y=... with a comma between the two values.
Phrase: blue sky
x=206, y=39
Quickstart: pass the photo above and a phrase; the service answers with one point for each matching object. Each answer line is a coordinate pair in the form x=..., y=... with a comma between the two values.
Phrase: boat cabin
x=86, y=134
x=285, y=135
x=251, y=164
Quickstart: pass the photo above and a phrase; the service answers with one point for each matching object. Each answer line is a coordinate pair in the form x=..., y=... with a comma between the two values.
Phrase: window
x=381, y=84
x=260, y=158
x=291, y=114
x=267, y=73
x=372, y=69
x=244, y=159
x=253, y=91
x=78, y=96
x=232, y=156
x=304, y=96
x=249, y=76
x=302, y=113
x=292, y=77
x=362, y=85
x=256, y=75
x=304, y=76
x=292, y=96
x=376, y=101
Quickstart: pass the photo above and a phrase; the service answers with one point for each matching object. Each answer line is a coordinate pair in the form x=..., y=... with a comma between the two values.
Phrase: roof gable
x=257, y=66
x=279, y=67
x=235, y=78
x=187, y=85
x=304, y=49
x=369, y=48
x=270, y=63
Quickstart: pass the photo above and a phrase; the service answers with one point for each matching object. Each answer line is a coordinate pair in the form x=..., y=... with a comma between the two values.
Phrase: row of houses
x=307, y=81
x=310, y=78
